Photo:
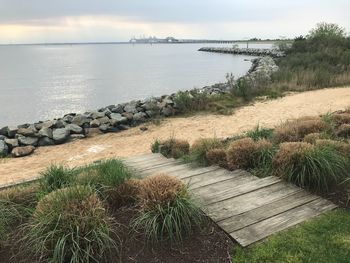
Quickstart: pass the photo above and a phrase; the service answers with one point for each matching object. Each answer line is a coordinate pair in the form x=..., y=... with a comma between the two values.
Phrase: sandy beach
x=134, y=141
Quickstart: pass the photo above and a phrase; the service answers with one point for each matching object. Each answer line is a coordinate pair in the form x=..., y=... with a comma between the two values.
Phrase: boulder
x=26, y=131
x=118, y=118
x=118, y=109
x=3, y=149
x=60, y=135
x=168, y=111
x=80, y=120
x=123, y=127
x=104, y=120
x=46, y=141
x=11, y=131
x=45, y=132
x=128, y=115
x=73, y=128
x=131, y=107
x=60, y=124
x=23, y=140
x=12, y=143
x=103, y=128
x=22, y=151
x=68, y=118
x=2, y=137
x=95, y=123
x=4, y=131
x=74, y=137
x=140, y=117
x=97, y=114
x=48, y=124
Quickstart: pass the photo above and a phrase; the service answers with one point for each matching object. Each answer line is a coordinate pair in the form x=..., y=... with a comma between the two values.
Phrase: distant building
x=151, y=40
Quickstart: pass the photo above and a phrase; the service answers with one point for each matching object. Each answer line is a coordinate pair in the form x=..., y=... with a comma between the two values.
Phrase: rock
x=45, y=132
x=4, y=131
x=25, y=125
x=118, y=109
x=48, y=124
x=22, y=151
x=60, y=124
x=73, y=128
x=131, y=107
x=128, y=115
x=91, y=132
x=80, y=120
x=95, y=123
x=11, y=131
x=26, y=131
x=119, y=118
x=104, y=120
x=113, y=129
x=168, y=111
x=103, y=128
x=150, y=113
x=60, y=135
x=97, y=114
x=46, y=141
x=75, y=137
x=139, y=117
x=143, y=128
x=123, y=127
x=28, y=140
x=2, y=137
x=3, y=148
x=68, y=118
x=12, y=143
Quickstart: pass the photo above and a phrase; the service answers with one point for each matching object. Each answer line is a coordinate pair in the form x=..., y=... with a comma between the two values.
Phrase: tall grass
x=199, y=149
x=56, y=177
x=260, y=133
x=69, y=225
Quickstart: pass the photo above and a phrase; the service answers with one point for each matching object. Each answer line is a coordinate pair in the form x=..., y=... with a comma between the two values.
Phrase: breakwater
x=21, y=140
x=245, y=51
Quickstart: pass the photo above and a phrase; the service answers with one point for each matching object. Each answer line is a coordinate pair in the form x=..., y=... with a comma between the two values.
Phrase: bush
x=296, y=130
x=314, y=168
x=190, y=101
x=263, y=155
x=155, y=146
x=342, y=147
x=217, y=157
x=260, y=133
x=174, y=148
x=56, y=177
x=312, y=137
x=21, y=195
x=124, y=194
x=168, y=212
x=341, y=118
x=200, y=148
x=240, y=154
x=69, y=225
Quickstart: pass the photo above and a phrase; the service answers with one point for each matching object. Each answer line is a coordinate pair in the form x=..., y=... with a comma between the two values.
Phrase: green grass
x=260, y=133
x=56, y=177
x=325, y=239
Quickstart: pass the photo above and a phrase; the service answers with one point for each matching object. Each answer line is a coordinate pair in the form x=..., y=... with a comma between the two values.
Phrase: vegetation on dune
x=199, y=149
x=324, y=239
x=172, y=147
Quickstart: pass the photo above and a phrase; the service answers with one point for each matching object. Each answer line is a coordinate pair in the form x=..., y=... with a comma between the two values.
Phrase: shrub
x=341, y=118
x=189, y=101
x=69, y=225
x=260, y=133
x=155, y=146
x=124, y=194
x=174, y=148
x=343, y=131
x=240, y=154
x=21, y=195
x=168, y=212
x=296, y=130
x=263, y=154
x=56, y=177
x=312, y=137
x=200, y=148
x=315, y=168
x=217, y=157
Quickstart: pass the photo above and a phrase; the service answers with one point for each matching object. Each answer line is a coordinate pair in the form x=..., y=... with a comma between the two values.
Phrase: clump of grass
x=199, y=149
x=314, y=168
x=155, y=146
x=124, y=194
x=217, y=157
x=343, y=131
x=172, y=147
x=263, y=156
x=69, y=225
x=313, y=137
x=260, y=133
x=296, y=130
x=341, y=118
x=240, y=154
x=56, y=177
x=26, y=195
x=342, y=147
x=167, y=210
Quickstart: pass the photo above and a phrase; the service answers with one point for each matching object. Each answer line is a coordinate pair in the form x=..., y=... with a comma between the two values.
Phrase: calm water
x=41, y=82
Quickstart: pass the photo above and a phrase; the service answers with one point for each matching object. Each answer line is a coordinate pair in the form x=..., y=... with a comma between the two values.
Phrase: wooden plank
x=243, y=203
x=194, y=171
x=207, y=179
x=167, y=170
x=156, y=165
x=256, y=215
x=142, y=157
x=150, y=163
x=258, y=231
x=232, y=188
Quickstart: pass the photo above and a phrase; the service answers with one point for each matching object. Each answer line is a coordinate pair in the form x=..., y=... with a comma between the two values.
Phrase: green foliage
x=324, y=239
x=190, y=101
x=56, y=177
x=314, y=168
x=170, y=221
x=200, y=148
x=173, y=148
x=155, y=146
x=243, y=88
x=260, y=133
x=69, y=225
x=326, y=30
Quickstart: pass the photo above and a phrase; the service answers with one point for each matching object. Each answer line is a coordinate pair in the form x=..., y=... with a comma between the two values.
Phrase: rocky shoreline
x=22, y=140
x=275, y=53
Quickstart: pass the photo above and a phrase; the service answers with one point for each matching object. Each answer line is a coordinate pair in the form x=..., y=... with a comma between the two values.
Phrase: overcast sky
x=28, y=21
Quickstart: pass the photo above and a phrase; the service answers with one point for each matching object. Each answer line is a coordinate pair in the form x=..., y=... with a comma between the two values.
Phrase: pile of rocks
x=22, y=139
x=245, y=51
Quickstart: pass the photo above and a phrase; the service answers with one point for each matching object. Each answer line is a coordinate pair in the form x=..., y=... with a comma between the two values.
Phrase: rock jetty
x=22, y=140
x=275, y=53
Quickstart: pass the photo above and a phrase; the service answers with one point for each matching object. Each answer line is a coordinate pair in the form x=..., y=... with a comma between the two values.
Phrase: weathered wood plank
x=207, y=179
x=263, y=229
x=241, y=185
x=156, y=165
x=168, y=170
x=146, y=156
x=256, y=215
x=193, y=171
x=240, y=204
x=150, y=163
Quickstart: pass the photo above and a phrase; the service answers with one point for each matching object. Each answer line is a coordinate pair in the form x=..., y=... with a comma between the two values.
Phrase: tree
x=324, y=29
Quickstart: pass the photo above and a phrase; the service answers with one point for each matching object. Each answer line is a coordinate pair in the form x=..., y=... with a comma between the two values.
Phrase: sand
x=134, y=141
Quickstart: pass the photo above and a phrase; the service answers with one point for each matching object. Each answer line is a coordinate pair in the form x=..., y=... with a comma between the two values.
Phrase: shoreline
x=134, y=141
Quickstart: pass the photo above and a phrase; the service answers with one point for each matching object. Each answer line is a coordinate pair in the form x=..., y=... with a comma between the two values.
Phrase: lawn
x=323, y=239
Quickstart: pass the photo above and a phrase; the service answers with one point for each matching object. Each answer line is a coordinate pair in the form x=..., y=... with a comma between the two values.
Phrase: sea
x=42, y=82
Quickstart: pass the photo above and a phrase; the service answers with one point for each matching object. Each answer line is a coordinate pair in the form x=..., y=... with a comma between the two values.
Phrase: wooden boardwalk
x=246, y=207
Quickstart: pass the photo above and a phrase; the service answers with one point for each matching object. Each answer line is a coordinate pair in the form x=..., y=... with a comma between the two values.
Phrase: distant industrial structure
x=155, y=40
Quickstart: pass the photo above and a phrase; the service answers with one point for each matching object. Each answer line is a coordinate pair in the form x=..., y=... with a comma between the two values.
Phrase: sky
x=57, y=21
